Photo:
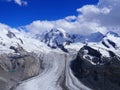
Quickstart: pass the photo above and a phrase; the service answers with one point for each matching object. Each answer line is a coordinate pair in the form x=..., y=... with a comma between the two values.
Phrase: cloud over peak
x=102, y=17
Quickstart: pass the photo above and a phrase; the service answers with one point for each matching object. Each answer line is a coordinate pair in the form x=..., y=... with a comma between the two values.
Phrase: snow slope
x=55, y=37
x=12, y=37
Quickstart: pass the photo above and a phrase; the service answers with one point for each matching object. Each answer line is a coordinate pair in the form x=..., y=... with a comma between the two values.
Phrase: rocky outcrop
x=17, y=66
x=11, y=34
x=98, y=73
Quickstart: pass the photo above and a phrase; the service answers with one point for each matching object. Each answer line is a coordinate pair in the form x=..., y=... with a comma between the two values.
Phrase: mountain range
x=57, y=60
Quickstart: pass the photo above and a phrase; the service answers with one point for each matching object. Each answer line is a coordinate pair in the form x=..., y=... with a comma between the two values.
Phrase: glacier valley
x=57, y=60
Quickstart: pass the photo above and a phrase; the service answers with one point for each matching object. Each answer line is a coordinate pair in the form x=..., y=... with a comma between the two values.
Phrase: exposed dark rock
x=112, y=54
x=92, y=51
x=112, y=43
x=97, y=77
x=13, y=48
x=21, y=40
x=105, y=44
x=11, y=34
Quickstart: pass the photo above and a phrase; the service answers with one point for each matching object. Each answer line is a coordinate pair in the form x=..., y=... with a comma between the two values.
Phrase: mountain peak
x=112, y=33
x=55, y=38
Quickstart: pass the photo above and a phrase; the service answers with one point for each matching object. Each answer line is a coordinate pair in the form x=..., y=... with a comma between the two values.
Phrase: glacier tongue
x=50, y=78
x=57, y=75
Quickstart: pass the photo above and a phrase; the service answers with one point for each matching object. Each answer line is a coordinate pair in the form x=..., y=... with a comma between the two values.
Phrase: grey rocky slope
x=15, y=67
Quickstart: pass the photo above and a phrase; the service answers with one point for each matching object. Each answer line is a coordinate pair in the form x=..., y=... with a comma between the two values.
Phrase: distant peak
x=112, y=33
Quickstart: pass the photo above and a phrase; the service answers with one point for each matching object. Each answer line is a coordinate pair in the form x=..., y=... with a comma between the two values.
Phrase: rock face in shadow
x=98, y=73
x=18, y=66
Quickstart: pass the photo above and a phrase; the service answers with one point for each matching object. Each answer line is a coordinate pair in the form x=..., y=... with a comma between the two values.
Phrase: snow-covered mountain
x=91, y=57
x=108, y=47
x=111, y=40
x=97, y=67
x=19, y=56
x=97, y=64
x=93, y=37
x=55, y=38
x=14, y=38
x=58, y=38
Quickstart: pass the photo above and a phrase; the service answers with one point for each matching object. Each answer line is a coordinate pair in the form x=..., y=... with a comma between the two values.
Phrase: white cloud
x=71, y=18
x=19, y=2
x=92, y=9
x=109, y=3
x=91, y=18
x=71, y=27
x=106, y=13
x=39, y=26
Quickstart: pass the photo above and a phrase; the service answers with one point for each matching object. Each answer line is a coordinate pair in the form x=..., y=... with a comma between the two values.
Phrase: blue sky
x=15, y=15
